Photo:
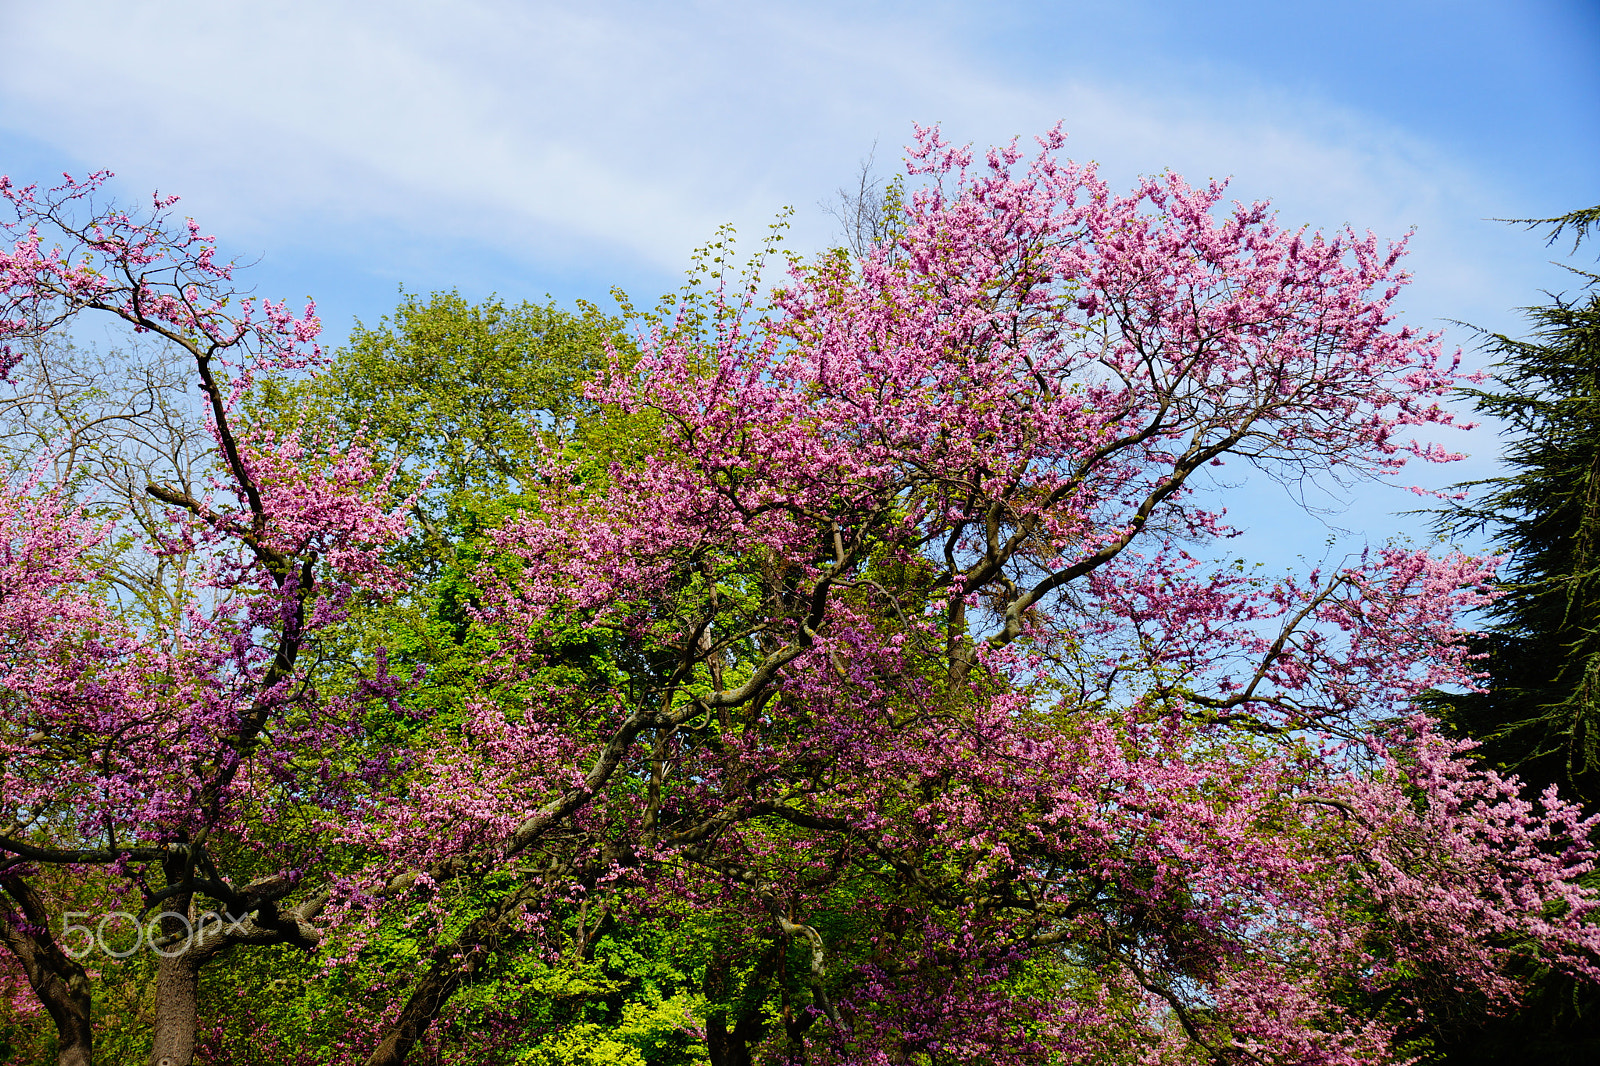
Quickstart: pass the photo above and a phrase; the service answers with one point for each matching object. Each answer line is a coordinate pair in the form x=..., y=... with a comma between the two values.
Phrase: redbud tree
x=184, y=756
x=902, y=656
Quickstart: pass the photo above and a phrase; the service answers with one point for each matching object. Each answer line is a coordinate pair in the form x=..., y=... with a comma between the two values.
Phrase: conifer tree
x=1539, y=716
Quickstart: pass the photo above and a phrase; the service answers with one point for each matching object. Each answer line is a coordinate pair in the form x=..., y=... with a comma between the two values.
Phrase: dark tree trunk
x=726, y=1048
x=57, y=979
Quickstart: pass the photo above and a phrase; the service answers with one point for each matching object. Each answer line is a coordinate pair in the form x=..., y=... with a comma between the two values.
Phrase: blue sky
x=531, y=148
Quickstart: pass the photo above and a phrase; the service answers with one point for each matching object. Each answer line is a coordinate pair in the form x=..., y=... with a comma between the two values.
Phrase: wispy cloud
x=622, y=130
x=611, y=138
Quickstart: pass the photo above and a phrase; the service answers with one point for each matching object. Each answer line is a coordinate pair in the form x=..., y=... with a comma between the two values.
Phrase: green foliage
x=465, y=399
x=719, y=279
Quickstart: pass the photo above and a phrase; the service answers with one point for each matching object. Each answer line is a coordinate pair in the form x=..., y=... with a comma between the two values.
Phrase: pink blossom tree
x=911, y=660
x=164, y=750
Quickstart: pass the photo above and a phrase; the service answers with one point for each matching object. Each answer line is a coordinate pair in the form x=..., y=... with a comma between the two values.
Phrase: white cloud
x=623, y=133
x=625, y=129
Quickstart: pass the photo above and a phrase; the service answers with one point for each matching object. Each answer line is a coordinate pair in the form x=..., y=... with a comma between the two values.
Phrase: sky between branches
x=528, y=148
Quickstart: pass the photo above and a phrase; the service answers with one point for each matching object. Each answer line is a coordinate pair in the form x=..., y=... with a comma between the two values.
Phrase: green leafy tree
x=463, y=397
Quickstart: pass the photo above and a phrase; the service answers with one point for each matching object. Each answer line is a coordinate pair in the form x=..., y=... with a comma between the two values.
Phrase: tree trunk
x=177, y=976
x=725, y=1048
x=177, y=1009
x=57, y=979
